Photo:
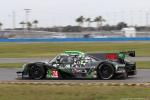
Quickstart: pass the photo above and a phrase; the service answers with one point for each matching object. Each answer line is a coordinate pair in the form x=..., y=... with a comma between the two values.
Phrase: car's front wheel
x=37, y=72
x=105, y=71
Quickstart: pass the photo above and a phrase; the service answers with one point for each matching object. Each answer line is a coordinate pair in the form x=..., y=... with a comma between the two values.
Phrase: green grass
x=11, y=65
x=140, y=65
x=143, y=64
x=11, y=50
x=66, y=92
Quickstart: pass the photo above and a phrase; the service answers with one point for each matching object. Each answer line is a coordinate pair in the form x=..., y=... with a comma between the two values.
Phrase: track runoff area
x=41, y=49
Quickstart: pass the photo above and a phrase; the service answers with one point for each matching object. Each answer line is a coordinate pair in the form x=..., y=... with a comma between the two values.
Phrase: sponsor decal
x=54, y=74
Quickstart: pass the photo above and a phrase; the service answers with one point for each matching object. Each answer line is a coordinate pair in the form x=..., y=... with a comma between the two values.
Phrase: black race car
x=76, y=64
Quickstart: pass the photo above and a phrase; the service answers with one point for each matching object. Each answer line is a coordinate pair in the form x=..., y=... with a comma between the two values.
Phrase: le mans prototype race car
x=76, y=64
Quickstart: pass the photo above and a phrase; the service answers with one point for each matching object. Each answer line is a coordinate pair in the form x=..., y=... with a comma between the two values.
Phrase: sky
x=64, y=12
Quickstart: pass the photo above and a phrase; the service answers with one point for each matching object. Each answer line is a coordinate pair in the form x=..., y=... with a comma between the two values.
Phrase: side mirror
x=58, y=60
x=53, y=63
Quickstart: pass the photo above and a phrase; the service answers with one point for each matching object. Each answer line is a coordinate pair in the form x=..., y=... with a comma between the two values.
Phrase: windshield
x=63, y=59
x=53, y=60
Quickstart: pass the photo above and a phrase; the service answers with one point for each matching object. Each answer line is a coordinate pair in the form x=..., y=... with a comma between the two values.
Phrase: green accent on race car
x=74, y=53
x=121, y=55
x=49, y=73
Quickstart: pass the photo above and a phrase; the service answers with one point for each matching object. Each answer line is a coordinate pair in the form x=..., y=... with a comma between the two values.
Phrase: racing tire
x=37, y=72
x=105, y=71
x=125, y=75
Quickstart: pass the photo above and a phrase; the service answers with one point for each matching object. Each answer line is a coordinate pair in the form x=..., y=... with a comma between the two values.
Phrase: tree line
x=29, y=24
x=81, y=20
x=24, y=25
x=99, y=20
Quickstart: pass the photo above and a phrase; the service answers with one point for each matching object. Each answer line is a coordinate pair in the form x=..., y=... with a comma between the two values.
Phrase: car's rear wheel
x=105, y=71
x=37, y=72
x=125, y=75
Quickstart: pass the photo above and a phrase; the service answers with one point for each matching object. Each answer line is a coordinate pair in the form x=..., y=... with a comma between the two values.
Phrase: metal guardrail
x=118, y=39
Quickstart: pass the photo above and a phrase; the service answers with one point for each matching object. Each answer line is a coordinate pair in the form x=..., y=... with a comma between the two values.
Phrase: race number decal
x=55, y=74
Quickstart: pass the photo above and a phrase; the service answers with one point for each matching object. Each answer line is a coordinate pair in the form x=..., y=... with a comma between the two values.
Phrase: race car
x=77, y=64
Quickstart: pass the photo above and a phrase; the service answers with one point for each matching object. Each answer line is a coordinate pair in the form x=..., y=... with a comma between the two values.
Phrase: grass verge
x=22, y=50
x=143, y=64
x=66, y=92
x=11, y=65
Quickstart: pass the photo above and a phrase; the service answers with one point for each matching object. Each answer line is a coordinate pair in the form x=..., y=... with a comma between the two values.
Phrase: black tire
x=105, y=71
x=125, y=75
x=37, y=72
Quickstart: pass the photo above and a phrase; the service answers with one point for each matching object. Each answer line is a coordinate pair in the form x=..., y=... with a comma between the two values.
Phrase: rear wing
x=112, y=56
x=129, y=53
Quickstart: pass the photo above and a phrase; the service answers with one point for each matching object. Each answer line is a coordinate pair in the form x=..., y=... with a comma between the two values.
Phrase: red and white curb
x=75, y=83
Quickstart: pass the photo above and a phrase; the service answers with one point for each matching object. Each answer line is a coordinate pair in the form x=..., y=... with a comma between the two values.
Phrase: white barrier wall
x=129, y=32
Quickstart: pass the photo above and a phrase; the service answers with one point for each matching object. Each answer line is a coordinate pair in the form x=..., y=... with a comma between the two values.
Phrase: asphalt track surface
x=143, y=75
x=27, y=60
x=9, y=74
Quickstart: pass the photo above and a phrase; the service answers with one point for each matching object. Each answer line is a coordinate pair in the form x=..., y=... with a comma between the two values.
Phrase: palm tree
x=99, y=21
x=29, y=25
x=80, y=20
x=35, y=22
x=88, y=20
x=1, y=25
x=23, y=24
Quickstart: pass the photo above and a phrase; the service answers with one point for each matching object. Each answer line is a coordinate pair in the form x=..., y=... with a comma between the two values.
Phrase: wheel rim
x=106, y=72
x=36, y=72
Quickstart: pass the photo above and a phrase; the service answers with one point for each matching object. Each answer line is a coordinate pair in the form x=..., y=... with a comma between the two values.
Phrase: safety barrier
x=117, y=39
